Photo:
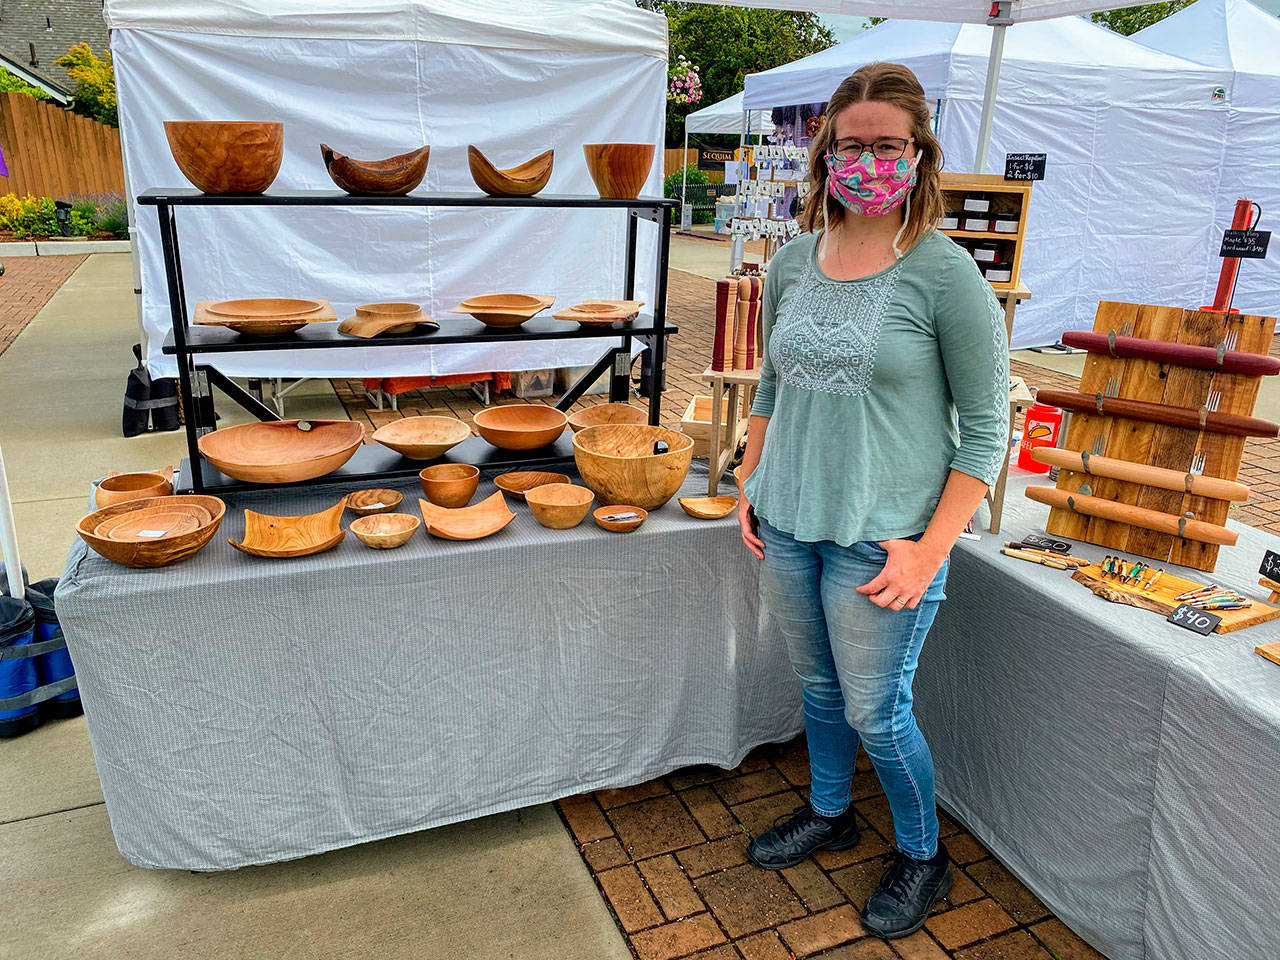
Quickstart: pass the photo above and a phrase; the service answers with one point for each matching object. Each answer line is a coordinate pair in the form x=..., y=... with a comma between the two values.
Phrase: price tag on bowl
x=1197, y=621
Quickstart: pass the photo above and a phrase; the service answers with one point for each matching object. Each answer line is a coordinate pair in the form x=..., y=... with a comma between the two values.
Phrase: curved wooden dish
x=372, y=319
x=153, y=522
x=279, y=537
x=708, y=508
x=422, y=438
x=606, y=413
x=559, y=506
x=616, y=461
x=153, y=551
x=1187, y=417
x=122, y=487
x=520, y=426
x=469, y=523
x=601, y=313
x=618, y=170
x=277, y=451
x=367, y=503
x=1134, y=516
x=392, y=177
x=1198, y=485
x=238, y=156
x=523, y=180
x=618, y=526
x=504, y=310
x=1179, y=354
x=518, y=482
x=449, y=485
x=385, y=531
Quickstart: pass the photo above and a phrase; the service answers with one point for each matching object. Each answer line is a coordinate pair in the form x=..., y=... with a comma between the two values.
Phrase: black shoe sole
x=841, y=845
x=899, y=934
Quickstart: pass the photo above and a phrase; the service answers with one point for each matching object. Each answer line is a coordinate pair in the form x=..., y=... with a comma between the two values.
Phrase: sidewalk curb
x=64, y=248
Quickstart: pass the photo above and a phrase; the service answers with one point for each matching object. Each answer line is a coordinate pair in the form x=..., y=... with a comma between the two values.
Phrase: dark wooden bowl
x=520, y=181
x=391, y=177
x=619, y=170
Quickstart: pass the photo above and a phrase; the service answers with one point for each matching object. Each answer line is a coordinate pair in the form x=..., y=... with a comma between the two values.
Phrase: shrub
x=35, y=216
x=95, y=77
x=28, y=216
x=11, y=83
x=113, y=217
x=671, y=188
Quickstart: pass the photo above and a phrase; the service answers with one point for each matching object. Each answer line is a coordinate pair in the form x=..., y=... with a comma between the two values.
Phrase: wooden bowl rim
x=355, y=441
x=576, y=421
x=686, y=442
x=232, y=313
x=538, y=496
x=224, y=124
x=598, y=511
x=528, y=171
x=357, y=525
x=399, y=425
x=502, y=482
x=110, y=487
x=86, y=525
x=400, y=310
x=487, y=411
x=368, y=492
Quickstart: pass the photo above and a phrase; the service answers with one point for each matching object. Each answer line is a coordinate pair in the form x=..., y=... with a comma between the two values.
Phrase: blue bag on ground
x=17, y=674
x=55, y=665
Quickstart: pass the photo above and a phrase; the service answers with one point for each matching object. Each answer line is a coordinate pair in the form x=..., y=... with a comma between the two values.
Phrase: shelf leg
x=173, y=277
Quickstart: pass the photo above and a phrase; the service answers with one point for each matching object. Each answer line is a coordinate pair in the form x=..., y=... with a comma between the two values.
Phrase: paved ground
x=26, y=286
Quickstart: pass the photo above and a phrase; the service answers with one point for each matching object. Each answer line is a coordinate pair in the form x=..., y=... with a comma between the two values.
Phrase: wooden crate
x=696, y=422
x=1008, y=196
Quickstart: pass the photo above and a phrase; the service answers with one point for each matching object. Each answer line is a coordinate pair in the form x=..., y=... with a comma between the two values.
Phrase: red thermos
x=1040, y=429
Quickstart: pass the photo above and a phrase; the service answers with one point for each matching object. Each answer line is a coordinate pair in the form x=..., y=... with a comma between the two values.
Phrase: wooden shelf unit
x=1007, y=196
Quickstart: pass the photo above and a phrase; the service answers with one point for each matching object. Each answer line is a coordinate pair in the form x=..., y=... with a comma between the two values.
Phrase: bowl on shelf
x=626, y=463
x=422, y=438
x=385, y=531
x=559, y=506
x=523, y=180
x=602, y=313
x=518, y=482
x=263, y=316
x=366, y=503
x=708, y=508
x=392, y=177
x=372, y=319
x=279, y=537
x=282, y=451
x=468, y=523
x=152, y=543
x=600, y=413
x=619, y=518
x=520, y=426
x=503, y=310
x=236, y=156
x=449, y=484
x=619, y=170
x=121, y=487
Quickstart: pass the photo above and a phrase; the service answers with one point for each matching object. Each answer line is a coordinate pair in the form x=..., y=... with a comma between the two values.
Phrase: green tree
x=12, y=83
x=1129, y=20
x=95, y=79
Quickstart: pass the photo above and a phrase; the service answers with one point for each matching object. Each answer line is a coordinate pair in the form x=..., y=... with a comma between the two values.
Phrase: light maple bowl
x=559, y=506
x=606, y=413
x=262, y=316
x=618, y=463
x=450, y=484
x=373, y=319
x=504, y=310
x=708, y=508
x=523, y=180
x=367, y=503
x=392, y=177
x=602, y=514
x=519, y=482
x=468, y=523
x=281, y=537
x=619, y=170
x=151, y=551
x=521, y=426
x=385, y=531
x=282, y=451
x=422, y=438
x=122, y=487
x=236, y=156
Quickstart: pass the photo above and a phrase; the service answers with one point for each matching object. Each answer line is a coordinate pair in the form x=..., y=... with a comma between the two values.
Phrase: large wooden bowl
x=422, y=438
x=616, y=461
x=469, y=523
x=237, y=156
x=603, y=514
x=521, y=426
x=282, y=451
x=619, y=170
x=263, y=316
x=167, y=520
x=391, y=177
x=559, y=506
x=385, y=531
x=450, y=485
x=278, y=537
x=503, y=310
x=121, y=487
x=518, y=482
x=151, y=551
x=366, y=503
x=521, y=181
x=606, y=413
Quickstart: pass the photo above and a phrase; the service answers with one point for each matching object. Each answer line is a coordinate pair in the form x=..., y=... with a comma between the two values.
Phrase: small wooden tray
x=1160, y=598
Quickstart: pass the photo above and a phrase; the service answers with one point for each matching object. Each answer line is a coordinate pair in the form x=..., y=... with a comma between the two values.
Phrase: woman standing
x=879, y=333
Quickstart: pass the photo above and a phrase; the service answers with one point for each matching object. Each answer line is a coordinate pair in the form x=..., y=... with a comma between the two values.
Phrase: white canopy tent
x=727, y=116
x=1114, y=218
x=374, y=78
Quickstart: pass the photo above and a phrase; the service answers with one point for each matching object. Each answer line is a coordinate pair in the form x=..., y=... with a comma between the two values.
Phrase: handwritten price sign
x=1025, y=166
x=1198, y=621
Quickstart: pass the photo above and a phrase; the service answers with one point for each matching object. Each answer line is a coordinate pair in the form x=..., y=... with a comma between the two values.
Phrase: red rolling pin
x=1179, y=354
x=1188, y=417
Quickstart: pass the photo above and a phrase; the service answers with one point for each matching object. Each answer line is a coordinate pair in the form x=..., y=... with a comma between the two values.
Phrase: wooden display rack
x=1007, y=196
x=1161, y=598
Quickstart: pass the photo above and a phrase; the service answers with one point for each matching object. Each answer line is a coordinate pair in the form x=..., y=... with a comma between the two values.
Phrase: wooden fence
x=51, y=152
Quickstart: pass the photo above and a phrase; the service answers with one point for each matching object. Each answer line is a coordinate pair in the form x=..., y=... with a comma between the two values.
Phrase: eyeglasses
x=886, y=148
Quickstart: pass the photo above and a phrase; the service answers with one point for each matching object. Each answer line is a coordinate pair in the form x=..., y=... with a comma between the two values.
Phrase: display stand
x=739, y=386
x=371, y=461
x=1007, y=197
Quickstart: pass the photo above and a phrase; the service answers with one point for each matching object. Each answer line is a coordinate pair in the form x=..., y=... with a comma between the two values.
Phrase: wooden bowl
x=384, y=531
x=606, y=413
x=518, y=482
x=450, y=485
x=708, y=508
x=469, y=523
x=151, y=551
x=616, y=461
x=278, y=537
x=559, y=506
x=504, y=310
x=122, y=487
x=422, y=438
x=601, y=515
x=391, y=177
x=601, y=313
x=366, y=503
x=521, y=181
x=282, y=451
x=372, y=319
x=619, y=170
x=235, y=156
x=264, y=308
x=169, y=520
x=520, y=426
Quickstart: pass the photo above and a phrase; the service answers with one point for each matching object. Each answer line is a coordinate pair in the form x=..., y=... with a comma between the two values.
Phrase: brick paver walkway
x=26, y=286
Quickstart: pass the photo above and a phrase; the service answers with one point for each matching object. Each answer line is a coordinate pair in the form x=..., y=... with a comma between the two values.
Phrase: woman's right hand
x=750, y=531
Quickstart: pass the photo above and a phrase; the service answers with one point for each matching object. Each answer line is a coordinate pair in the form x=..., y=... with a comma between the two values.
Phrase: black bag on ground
x=148, y=400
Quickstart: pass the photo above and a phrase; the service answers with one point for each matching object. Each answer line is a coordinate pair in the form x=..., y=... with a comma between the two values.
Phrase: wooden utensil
x=391, y=177
x=504, y=310
x=122, y=487
x=708, y=508
x=449, y=484
x=282, y=451
x=516, y=483
x=1135, y=516
x=559, y=506
x=384, y=531
x=600, y=413
x=372, y=319
x=280, y=537
x=1180, y=354
x=617, y=462
x=367, y=503
x=520, y=426
x=604, y=517
x=468, y=523
x=237, y=156
x=1164, y=413
x=422, y=438
x=523, y=180
x=1141, y=473
x=151, y=551
x=618, y=170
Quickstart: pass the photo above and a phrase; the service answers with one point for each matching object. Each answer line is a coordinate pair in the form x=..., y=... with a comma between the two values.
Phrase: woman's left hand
x=907, y=574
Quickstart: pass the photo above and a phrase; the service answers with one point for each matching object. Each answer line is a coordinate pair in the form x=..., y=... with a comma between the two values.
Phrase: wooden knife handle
x=1201, y=486
x=1180, y=354
x=1161, y=413
x=1134, y=516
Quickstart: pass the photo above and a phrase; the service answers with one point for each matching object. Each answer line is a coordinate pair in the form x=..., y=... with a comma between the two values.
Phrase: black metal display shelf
x=333, y=198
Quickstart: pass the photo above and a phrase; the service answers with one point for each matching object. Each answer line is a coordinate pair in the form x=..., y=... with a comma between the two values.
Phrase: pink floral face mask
x=869, y=186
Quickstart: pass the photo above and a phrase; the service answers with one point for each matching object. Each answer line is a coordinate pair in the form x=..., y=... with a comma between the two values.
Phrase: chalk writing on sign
x=1195, y=620
x=1270, y=565
x=1248, y=244
x=1025, y=166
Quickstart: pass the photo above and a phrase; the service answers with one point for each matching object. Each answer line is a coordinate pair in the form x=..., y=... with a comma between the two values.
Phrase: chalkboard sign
x=1249, y=244
x=1199, y=621
x=1270, y=565
x=1037, y=542
x=1024, y=166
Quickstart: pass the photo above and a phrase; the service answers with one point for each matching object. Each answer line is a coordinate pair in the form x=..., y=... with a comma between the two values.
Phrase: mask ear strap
x=906, y=218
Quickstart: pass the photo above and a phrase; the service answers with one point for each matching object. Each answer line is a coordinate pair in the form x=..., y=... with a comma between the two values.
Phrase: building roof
x=53, y=27
x=56, y=93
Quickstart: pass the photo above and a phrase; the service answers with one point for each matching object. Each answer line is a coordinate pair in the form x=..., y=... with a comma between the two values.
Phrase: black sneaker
x=907, y=891
x=799, y=833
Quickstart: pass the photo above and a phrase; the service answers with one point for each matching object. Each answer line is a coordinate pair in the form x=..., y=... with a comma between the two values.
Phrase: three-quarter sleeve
x=762, y=405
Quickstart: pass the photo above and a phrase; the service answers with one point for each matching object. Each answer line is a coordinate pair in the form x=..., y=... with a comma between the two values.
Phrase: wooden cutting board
x=1160, y=598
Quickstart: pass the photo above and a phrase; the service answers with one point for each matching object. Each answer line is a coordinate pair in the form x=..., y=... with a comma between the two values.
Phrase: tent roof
x=723, y=117
x=1233, y=34
x=950, y=11
x=577, y=25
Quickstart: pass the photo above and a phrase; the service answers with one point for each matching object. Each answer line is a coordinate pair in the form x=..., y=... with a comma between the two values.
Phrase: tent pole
x=989, y=97
x=684, y=167
x=9, y=539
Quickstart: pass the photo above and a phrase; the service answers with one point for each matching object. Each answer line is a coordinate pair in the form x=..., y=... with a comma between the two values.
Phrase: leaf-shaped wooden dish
x=422, y=438
x=708, y=508
x=282, y=451
x=606, y=413
x=518, y=482
x=501, y=310
x=592, y=313
x=372, y=319
x=277, y=537
x=520, y=181
x=152, y=551
x=467, y=523
x=366, y=503
x=384, y=531
x=391, y=177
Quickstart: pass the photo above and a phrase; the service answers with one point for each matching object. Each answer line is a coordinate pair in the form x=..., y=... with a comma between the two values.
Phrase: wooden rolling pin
x=1201, y=486
x=1161, y=413
x=1134, y=516
x=1179, y=354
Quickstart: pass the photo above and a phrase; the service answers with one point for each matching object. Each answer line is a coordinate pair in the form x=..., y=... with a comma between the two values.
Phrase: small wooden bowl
x=504, y=310
x=281, y=451
x=122, y=487
x=520, y=426
x=559, y=506
x=616, y=461
x=385, y=531
x=519, y=482
x=618, y=526
x=151, y=551
x=422, y=438
x=469, y=523
x=708, y=508
x=606, y=413
x=235, y=156
x=450, y=485
x=366, y=503
x=392, y=177
x=619, y=170
x=520, y=181
x=277, y=537
x=601, y=313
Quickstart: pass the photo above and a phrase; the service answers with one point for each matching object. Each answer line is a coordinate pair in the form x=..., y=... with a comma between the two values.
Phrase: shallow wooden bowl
x=282, y=451
x=520, y=426
x=520, y=181
x=468, y=523
x=278, y=537
x=391, y=177
x=450, y=485
x=153, y=522
x=619, y=170
x=708, y=508
x=559, y=506
x=264, y=308
x=238, y=156
x=151, y=551
x=122, y=487
x=385, y=531
x=601, y=515
x=606, y=413
x=422, y=438
x=504, y=310
x=366, y=503
x=616, y=461
x=372, y=319
x=601, y=313
x=518, y=482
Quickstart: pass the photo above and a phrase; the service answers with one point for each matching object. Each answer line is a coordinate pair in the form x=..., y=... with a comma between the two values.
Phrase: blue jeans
x=856, y=662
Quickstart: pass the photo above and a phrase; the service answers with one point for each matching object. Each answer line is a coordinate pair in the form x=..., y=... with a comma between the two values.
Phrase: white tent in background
x=1114, y=217
x=1237, y=36
x=726, y=117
